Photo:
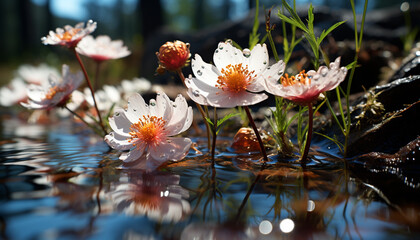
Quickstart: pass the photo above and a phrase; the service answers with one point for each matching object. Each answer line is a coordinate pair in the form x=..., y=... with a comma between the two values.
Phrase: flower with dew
x=69, y=36
x=13, y=93
x=147, y=130
x=173, y=56
x=36, y=74
x=56, y=93
x=156, y=195
x=102, y=48
x=236, y=78
x=305, y=88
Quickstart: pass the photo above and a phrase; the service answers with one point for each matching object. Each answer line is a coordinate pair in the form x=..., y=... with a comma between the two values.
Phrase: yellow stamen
x=301, y=78
x=149, y=129
x=235, y=78
x=53, y=91
x=68, y=35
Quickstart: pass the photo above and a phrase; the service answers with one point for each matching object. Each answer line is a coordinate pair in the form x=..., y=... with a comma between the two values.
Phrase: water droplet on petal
x=199, y=73
x=196, y=93
x=116, y=114
x=169, y=141
x=172, y=151
x=228, y=41
x=324, y=72
x=217, y=50
x=280, y=73
x=162, y=155
x=265, y=62
x=220, y=47
x=174, y=105
x=246, y=52
x=202, y=67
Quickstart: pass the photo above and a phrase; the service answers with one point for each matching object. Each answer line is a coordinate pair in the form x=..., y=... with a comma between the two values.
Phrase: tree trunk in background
x=25, y=30
x=198, y=16
x=49, y=17
x=150, y=14
x=251, y=4
x=226, y=9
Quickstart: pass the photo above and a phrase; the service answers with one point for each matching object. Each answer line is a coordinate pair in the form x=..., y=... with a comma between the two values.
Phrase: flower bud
x=173, y=56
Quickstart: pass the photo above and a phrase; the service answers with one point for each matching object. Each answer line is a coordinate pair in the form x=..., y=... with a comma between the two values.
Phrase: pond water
x=56, y=182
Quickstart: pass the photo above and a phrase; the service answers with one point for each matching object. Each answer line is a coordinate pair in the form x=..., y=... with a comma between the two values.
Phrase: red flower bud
x=173, y=55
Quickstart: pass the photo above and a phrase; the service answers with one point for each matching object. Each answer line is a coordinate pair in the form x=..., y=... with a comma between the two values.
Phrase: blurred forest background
x=134, y=21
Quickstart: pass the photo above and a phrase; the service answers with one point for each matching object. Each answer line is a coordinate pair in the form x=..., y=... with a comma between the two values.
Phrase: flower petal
x=136, y=107
x=175, y=148
x=258, y=60
x=227, y=54
x=117, y=141
x=204, y=71
x=134, y=154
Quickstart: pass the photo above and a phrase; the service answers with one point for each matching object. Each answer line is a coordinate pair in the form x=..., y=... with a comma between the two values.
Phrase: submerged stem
x=91, y=90
x=213, y=146
x=309, y=136
x=251, y=121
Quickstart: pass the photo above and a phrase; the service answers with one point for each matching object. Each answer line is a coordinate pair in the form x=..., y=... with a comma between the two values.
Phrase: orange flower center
x=149, y=130
x=235, y=78
x=149, y=199
x=68, y=35
x=301, y=78
x=53, y=91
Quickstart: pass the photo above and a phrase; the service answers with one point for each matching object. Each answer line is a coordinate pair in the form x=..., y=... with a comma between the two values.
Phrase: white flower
x=102, y=48
x=305, y=88
x=236, y=78
x=155, y=195
x=146, y=130
x=57, y=93
x=69, y=36
x=137, y=85
x=105, y=98
x=36, y=74
x=13, y=93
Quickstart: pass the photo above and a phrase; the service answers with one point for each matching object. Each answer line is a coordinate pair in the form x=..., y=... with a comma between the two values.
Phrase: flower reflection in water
x=153, y=194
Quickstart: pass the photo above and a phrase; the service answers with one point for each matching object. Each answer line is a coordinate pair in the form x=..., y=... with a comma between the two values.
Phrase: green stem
x=273, y=47
x=309, y=136
x=84, y=121
x=91, y=90
x=251, y=121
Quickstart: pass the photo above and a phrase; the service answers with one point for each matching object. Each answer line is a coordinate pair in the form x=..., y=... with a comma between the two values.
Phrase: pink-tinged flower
x=153, y=194
x=56, y=93
x=102, y=48
x=36, y=74
x=305, y=88
x=236, y=78
x=69, y=36
x=13, y=93
x=146, y=130
x=173, y=56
